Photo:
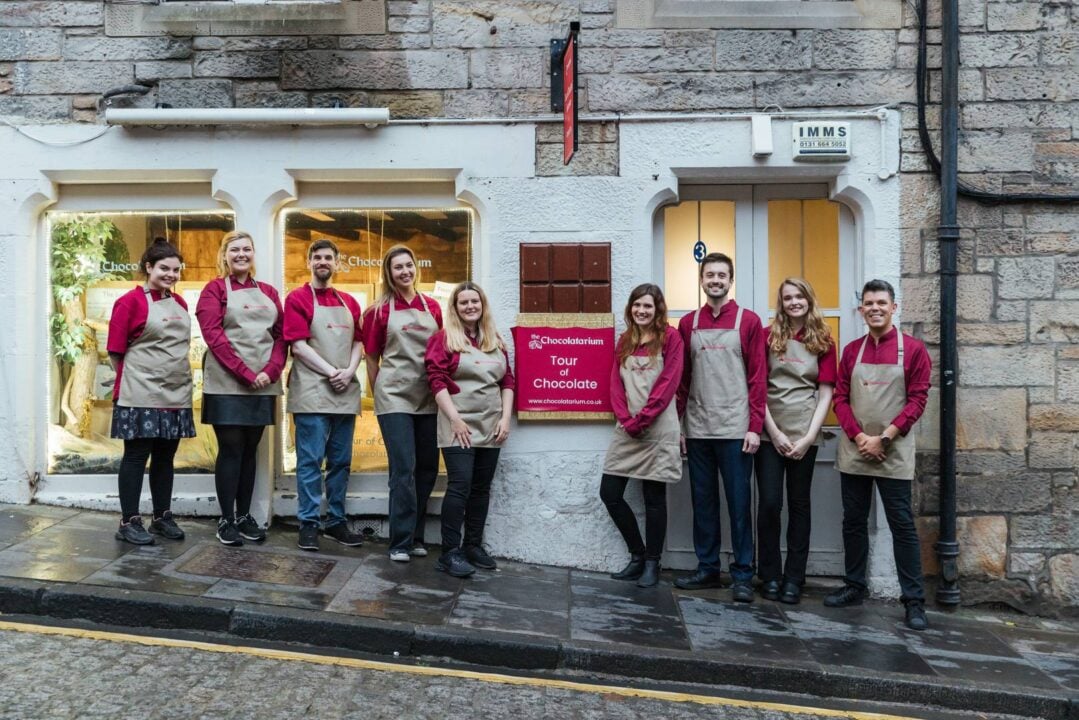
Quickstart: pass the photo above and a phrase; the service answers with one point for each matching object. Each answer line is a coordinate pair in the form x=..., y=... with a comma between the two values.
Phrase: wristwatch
x=885, y=440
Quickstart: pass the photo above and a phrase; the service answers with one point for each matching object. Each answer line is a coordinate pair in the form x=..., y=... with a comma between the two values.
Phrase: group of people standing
x=721, y=390
x=749, y=395
x=435, y=385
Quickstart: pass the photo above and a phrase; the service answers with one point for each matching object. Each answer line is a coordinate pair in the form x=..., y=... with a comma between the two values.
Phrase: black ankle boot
x=632, y=571
x=650, y=576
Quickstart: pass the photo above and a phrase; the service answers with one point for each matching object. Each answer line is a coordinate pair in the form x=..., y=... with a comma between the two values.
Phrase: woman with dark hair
x=241, y=323
x=801, y=375
x=644, y=379
x=469, y=372
x=149, y=340
x=395, y=334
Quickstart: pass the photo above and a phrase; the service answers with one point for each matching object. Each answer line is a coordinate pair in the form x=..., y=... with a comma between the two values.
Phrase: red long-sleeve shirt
x=662, y=392
x=300, y=308
x=442, y=363
x=210, y=311
x=376, y=320
x=916, y=371
x=127, y=322
x=754, y=357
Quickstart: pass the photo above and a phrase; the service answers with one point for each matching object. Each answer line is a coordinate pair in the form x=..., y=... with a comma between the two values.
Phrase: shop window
x=565, y=278
x=94, y=260
x=708, y=221
x=441, y=239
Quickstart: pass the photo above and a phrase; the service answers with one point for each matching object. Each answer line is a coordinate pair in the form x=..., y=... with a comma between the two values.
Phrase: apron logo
x=796, y=361
x=331, y=326
x=868, y=383
x=414, y=326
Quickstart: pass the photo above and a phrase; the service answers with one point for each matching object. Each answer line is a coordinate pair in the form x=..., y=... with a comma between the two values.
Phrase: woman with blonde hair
x=644, y=380
x=395, y=334
x=469, y=373
x=241, y=322
x=801, y=376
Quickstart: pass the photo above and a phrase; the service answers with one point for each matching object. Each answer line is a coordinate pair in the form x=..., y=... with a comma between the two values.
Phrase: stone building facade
x=1018, y=435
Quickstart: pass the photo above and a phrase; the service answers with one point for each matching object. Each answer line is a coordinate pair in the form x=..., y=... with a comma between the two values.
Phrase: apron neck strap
x=738, y=319
x=696, y=318
x=147, y=290
x=899, y=351
x=861, y=350
x=314, y=296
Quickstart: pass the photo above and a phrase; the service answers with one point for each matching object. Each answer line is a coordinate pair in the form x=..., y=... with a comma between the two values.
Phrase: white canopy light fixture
x=369, y=117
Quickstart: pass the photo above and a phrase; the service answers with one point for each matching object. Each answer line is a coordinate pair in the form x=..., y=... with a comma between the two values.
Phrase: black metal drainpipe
x=948, y=235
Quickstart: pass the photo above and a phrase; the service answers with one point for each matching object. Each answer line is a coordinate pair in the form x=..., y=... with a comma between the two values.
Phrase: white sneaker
x=399, y=556
x=418, y=551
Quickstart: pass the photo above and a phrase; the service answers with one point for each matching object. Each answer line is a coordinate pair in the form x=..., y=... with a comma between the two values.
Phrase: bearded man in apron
x=721, y=400
x=323, y=326
x=880, y=393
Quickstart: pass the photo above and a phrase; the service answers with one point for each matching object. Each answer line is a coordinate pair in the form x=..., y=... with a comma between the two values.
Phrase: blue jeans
x=412, y=449
x=321, y=438
x=707, y=458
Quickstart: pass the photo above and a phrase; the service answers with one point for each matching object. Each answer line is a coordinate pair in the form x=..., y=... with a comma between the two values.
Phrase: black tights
x=611, y=491
x=132, y=466
x=234, y=474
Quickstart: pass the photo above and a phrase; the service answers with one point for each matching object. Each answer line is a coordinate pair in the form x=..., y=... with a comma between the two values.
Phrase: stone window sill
x=246, y=17
x=773, y=14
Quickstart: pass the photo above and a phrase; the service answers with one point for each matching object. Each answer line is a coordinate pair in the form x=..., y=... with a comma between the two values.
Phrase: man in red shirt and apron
x=880, y=393
x=323, y=326
x=721, y=399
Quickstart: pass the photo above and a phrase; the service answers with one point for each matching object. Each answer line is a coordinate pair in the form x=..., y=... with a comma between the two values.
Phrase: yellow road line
x=354, y=663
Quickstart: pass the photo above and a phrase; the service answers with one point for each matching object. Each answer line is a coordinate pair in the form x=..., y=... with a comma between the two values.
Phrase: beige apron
x=401, y=385
x=333, y=333
x=157, y=372
x=792, y=390
x=718, y=404
x=248, y=324
x=480, y=401
x=655, y=453
x=878, y=394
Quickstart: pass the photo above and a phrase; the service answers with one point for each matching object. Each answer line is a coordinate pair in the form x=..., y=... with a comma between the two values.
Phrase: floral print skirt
x=130, y=423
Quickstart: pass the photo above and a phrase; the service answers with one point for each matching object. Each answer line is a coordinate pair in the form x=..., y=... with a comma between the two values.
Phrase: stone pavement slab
x=66, y=563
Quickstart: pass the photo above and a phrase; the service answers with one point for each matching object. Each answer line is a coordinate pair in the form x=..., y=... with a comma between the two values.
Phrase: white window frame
x=246, y=17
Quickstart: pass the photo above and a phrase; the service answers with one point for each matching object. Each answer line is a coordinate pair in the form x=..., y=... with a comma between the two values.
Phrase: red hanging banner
x=569, y=98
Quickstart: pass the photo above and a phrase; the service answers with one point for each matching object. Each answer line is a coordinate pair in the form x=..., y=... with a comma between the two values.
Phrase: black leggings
x=132, y=466
x=234, y=473
x=611, y=491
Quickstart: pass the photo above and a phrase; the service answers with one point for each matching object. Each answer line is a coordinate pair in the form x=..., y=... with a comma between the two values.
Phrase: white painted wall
x=545, y=505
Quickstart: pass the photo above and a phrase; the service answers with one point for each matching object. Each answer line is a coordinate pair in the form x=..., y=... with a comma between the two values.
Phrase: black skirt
x=239, y=409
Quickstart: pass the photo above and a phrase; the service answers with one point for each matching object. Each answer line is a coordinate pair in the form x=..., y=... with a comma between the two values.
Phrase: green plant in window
x=80, y=249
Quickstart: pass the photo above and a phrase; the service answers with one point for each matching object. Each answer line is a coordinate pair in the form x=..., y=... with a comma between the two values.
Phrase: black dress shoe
x=632, y=571
x=770, y=590
x=844, y=597
x=650, y=576
x=791, y=594
x=916, y=619
x=742, y=591
x=698, y=580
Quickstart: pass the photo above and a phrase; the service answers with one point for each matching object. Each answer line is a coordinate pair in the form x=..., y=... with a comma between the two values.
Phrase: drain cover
x=260, y=567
